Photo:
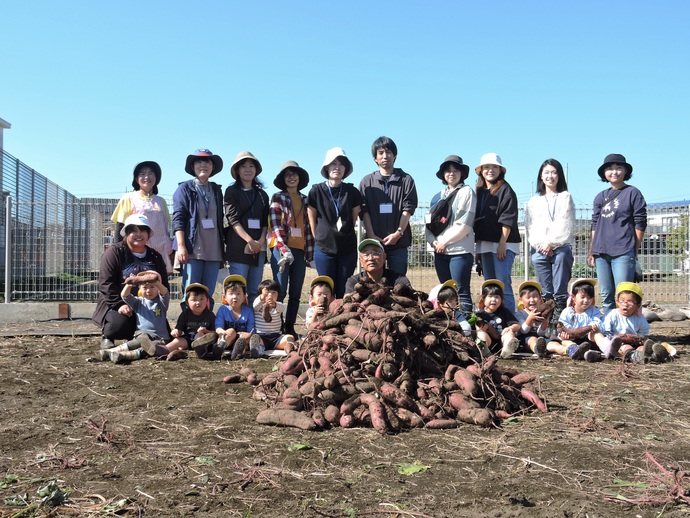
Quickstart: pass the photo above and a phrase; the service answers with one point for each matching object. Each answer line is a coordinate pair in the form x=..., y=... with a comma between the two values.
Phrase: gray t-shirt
x=151, y=314
x=207, y=246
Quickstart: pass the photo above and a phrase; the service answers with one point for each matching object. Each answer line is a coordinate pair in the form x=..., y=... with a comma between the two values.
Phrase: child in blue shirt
x=235, y=320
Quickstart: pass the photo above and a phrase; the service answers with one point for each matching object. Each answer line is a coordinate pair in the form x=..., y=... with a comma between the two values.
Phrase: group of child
x=235, y=331
x=238, y=330
x=582, y=333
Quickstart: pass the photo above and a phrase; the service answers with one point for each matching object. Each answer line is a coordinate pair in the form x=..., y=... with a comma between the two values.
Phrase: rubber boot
x=125, y=356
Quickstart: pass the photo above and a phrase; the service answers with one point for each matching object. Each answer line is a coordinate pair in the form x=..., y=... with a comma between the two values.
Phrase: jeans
x=459, y=268
x=252, y=274
x=553, y=273
x=611, y=271
x=202, y=272
x=290, y=281
x=501, y=270
x=396, y=260
x=338, y=267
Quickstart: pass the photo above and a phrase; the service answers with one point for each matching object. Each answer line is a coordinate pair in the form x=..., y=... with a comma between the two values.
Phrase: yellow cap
x=526, y=284
x=629, y=286
x=323, y=278
x=234, y=278
x=494, y=282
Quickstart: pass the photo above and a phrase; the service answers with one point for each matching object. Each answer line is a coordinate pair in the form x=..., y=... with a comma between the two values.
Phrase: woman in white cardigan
x=454, y=246
x=550, y=221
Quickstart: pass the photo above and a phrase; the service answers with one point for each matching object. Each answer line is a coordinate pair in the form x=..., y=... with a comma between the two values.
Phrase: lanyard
x=251, y=201
x=292, y=206
x=204, y=197
x=552, y=214
x=335, y=204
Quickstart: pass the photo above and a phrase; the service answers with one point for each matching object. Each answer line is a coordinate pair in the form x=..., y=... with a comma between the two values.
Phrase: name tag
x=339, y=224
x=295, y=232
x=253, y=223
x=207, y=223
x=386, y=208
x=427, y=218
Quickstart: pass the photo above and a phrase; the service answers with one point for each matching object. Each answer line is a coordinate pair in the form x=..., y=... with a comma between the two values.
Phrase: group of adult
x=483, y=229
x=239, y=227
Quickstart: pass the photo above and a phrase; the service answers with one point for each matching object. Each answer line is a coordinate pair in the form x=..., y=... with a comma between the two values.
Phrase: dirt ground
x=80, y=438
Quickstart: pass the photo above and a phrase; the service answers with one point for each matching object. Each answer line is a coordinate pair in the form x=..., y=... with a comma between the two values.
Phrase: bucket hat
x=490, y=158
x=136, y=220
x=242, y=155
x=332, y=154
x=457, y=162
x=206, y=154
x=156, y=170
x=279, y=182
x=614, y=158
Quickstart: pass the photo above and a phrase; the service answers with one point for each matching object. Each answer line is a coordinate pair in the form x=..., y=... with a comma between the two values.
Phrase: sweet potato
x=467, y=383
x=459, y=401
x=522, y=378
x=440, y=424
x=408, y=418
x=528, y=393
x=377, y=413
x=319, y=420
x=284, y=417
x=332, y=414
x=293, y=364
x=234, y=378
x=479, y=416
x=347, y=420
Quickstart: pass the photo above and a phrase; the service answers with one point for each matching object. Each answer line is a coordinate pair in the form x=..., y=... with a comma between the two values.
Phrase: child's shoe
x=147, y=345
x=508, y=349
x=104, y=355
x=592, y=356
x=107, y=343
x=615, y=347
x=125, y=356
x=634, y=356
x=238, y=348
x=540, y=347
x=255, y=347
x=577, y=351
x=661, y=354
x=203, y=343
x=648, y=350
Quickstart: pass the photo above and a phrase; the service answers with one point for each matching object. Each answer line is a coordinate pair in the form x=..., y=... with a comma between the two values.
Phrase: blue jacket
x=185, y=207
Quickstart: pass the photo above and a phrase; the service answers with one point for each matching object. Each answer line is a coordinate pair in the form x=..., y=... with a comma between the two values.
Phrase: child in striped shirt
x=268, y=317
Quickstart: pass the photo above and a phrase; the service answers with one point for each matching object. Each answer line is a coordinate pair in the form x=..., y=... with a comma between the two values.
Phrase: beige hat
x=332, y=154
x=490, y=158
x=241, y=156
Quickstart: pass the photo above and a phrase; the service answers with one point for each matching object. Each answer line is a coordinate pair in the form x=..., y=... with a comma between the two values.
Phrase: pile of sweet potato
x=385, y=358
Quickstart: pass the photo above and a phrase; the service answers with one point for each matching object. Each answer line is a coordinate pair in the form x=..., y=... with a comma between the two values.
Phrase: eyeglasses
x=371, y=255
x=626, y=303
x=143, y=174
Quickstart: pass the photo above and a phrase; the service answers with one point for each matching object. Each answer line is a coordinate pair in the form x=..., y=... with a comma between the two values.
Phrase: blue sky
x=92, y=88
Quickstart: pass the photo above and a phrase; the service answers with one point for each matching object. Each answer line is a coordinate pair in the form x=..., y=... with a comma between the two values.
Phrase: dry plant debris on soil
x=171, y=439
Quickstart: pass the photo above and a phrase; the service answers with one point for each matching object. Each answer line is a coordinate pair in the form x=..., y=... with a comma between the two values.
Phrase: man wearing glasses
x=372, y=257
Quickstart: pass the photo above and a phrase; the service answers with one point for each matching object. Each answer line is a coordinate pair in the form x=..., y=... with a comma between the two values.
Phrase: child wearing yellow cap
x=623, y=332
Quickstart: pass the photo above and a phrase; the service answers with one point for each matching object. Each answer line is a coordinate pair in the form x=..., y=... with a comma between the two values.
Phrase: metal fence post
x=8, y=255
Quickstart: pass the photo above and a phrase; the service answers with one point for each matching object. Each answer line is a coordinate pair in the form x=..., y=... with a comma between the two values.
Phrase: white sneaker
x=508, y=349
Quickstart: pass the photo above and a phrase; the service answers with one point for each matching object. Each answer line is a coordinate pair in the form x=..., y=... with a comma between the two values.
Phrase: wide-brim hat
x=243, y=155
x=234, y=278
x=279, y=181
x=582, y=280
x=527, y=284
x=493, y=282
x=457, y=162
x=156, y=170
x=614, y=158
x=332, y=154
x=629, y=286
x=323, y=278
x=490, y=158
x=207, y=155
x=433, y=294
x=195, y=286
x=136, y=220
x=370, y=242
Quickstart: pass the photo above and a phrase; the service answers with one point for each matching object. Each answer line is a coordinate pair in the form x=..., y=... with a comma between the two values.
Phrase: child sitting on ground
x=320, y=298
x=235, y=320
x=624, y=331
x=578, y=320
x=195, y=324
x=533, y=321
x=268, y=318
x=150, y=308
x=445, y=296
x=496, y=325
